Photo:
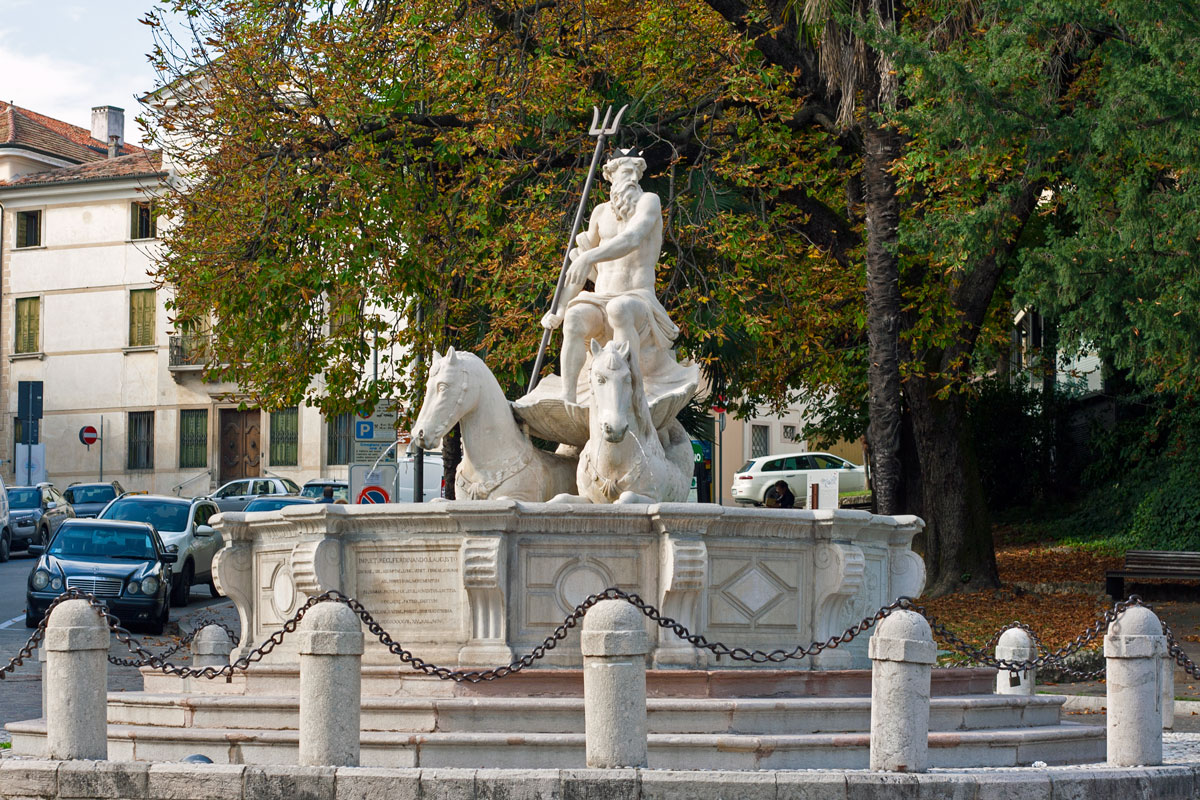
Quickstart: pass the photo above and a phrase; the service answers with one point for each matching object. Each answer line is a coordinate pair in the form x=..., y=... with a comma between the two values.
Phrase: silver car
x=183, y=525
x=234, y=495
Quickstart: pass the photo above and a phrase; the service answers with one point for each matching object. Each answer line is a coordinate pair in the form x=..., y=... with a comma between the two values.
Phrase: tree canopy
x=343, y=162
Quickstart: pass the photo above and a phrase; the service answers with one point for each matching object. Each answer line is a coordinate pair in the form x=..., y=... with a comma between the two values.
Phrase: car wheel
x=31, y=619
x=43, y=536
x=212, y=588
x=5, y=541
x=182, y=591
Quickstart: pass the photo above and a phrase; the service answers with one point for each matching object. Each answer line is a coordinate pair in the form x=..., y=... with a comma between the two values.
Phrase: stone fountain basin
x=466, y=584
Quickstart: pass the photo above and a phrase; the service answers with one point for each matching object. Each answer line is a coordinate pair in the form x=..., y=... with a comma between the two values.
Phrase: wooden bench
x=1158, y=564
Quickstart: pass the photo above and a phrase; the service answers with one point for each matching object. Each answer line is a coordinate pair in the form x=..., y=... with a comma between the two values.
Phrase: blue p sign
x=364, y=429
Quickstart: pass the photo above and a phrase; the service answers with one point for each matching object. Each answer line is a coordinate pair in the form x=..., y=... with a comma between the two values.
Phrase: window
x=789, y=433
x=140, y=445
x=142, y=221
x=337, y=440
x=284, y=429
x=775, y=465
x=28, y=324
x=193, y=438
x=759, y=437
x=141, y=317
x=29, y=228
x=828, y=462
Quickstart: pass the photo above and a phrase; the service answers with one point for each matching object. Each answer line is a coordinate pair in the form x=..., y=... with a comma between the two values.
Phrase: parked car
x=89, y=499
x=123, y=563
x=36, y=513
x=276, y=503
x=234, y=495
x=183, y=525
x=5, y=525
x=751, y=482
x=316, y=489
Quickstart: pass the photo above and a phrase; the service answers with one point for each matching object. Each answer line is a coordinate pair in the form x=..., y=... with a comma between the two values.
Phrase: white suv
x=751, y=482
x=183, y=526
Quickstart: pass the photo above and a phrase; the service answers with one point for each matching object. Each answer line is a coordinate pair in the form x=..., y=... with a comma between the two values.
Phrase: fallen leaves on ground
x=1042, y=564
x=1056, y=618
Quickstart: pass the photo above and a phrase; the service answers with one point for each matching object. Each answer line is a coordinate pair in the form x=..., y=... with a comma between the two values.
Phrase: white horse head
x=617, y=394
x=450, y=393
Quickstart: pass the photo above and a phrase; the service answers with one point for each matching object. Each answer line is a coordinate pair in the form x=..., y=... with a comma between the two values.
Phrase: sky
x=61, y=57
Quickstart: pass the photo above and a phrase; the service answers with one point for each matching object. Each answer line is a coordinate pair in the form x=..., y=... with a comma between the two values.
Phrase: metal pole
x=720, y=458
x=601, y=132
x=419, y=454
x=101, y=448
x=29, y=444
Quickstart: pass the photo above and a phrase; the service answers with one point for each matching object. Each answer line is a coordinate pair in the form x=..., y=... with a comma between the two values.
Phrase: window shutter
x=141, y=317
x=27, y=325
x=134, y=219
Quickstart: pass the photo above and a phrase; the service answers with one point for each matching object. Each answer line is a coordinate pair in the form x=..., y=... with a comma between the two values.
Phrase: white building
x=80, y=312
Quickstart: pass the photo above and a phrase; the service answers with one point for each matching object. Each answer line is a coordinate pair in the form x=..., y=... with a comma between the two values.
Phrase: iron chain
x=142, y=657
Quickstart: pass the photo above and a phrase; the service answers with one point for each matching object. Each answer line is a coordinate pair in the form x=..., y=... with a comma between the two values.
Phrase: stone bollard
x=614, y=644
x=1168, y=692
x=211, y=647
x=903, y=653
x=331, y=646
x=45, y=683
x=1015, y=644
x=1134, y=650
x=77, y=674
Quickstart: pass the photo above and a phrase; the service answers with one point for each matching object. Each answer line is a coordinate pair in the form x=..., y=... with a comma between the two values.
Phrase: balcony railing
x=189, y=351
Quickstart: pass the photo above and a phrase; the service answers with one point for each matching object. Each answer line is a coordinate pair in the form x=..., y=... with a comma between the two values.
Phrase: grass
x=5, y=745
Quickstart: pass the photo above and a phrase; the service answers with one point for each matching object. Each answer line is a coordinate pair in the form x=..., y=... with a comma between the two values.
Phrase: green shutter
x=27, y=324
x=193, y=438
x=285, y=428
x=141, y=317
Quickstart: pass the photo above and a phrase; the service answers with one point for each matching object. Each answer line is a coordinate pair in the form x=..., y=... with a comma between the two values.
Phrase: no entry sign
x=373, y=494
x=88, y=435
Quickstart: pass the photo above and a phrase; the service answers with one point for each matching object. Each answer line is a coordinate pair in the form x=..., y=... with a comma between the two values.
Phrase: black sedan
x=124, y=564
x=89, y=499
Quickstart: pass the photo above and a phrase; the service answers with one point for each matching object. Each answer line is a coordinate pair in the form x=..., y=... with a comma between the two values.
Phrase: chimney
x=114, y=146
x=108, y=122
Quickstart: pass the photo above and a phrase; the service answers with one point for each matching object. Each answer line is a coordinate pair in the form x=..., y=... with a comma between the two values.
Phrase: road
x=21, y=691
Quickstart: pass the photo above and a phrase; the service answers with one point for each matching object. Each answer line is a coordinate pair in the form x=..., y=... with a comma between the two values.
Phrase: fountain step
x=1056, y=744
x=565, y=715
x=388, y=681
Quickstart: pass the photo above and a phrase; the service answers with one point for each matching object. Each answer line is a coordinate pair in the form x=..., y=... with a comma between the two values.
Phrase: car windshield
x=318, y=490
x=90, y=494
x=24, y=498
x=274, y=503
x=80, y=541
x=162, y=514
x=292, y=486
x=311, y=491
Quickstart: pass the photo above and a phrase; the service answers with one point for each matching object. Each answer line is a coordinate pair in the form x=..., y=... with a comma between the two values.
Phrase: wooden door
x=241, y=434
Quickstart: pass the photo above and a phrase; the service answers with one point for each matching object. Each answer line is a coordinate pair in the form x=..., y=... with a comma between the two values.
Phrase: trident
x=601, y=130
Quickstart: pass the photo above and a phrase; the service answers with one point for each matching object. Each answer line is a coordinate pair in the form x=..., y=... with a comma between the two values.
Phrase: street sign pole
x=102, y=448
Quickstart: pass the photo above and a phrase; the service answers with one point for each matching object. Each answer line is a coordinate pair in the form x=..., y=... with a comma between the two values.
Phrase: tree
x=360, y=156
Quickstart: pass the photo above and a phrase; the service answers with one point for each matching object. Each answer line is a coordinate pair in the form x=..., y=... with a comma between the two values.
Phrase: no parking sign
x=372, y=486
x=373, y=494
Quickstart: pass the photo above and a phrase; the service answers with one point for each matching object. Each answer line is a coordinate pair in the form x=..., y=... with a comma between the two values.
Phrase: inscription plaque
x=414, y=592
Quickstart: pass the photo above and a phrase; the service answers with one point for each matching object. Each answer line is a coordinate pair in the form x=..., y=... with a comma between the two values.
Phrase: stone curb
x=1091, y=702
x=50, y=780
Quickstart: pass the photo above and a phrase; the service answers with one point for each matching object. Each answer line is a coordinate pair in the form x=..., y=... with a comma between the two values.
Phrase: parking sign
x=364, y=429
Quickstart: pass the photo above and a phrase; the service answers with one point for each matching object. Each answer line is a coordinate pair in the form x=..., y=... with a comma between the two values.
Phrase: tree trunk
x=959, y=555
x=882, y=147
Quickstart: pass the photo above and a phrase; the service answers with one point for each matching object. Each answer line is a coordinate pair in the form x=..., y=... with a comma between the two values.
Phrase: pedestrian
x=326, y=495
x=779, y=496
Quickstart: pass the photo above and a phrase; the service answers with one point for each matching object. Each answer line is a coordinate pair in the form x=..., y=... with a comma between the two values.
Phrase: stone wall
x=84, y=780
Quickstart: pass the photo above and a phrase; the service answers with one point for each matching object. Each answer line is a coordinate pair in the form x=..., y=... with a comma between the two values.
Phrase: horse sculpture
x=625, y=459
x=498, y=459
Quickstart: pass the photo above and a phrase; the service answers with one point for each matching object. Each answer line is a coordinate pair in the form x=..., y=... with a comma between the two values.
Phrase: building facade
x=80, y=313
